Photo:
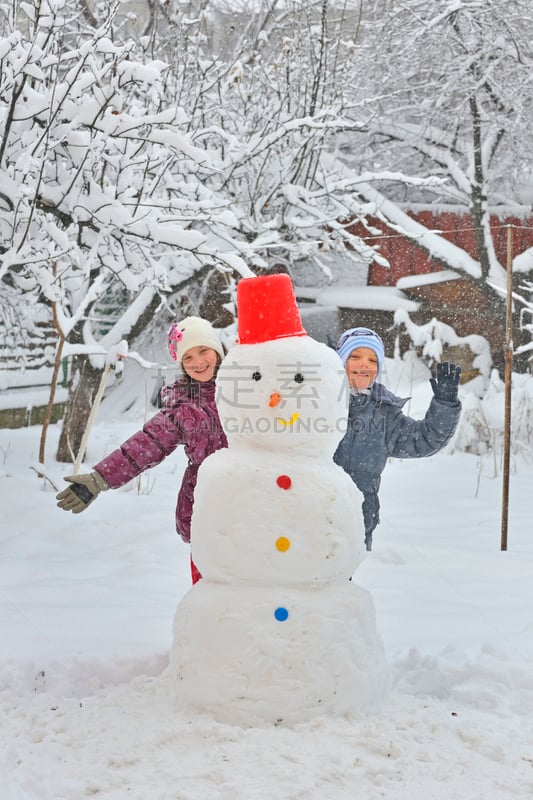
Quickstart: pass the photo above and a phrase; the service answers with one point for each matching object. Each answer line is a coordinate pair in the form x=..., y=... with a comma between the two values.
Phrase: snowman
x=276, y=631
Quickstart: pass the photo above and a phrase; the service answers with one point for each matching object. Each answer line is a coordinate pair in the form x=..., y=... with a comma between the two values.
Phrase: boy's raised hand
x=83, y=490
x=445, y=381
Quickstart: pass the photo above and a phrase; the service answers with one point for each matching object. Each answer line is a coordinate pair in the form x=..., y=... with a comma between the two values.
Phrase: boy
x=378, y=428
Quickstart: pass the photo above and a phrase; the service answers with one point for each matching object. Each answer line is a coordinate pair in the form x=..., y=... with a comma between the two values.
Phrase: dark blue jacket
x=378, y=429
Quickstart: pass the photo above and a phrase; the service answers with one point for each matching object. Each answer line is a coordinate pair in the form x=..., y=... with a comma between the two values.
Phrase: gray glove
x=82, y=491
x=445, y=381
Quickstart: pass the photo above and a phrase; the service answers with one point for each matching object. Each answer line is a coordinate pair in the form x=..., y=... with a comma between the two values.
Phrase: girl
x=188, y=416
x=378, y=428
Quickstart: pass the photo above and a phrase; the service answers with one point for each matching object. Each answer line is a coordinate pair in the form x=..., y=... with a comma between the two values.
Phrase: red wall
x=405, y=258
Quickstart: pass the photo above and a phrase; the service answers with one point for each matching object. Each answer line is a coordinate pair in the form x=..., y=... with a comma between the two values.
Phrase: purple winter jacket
x=189, y=417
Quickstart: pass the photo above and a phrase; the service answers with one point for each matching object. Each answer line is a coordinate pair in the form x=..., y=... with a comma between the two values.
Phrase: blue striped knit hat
x=361, y=337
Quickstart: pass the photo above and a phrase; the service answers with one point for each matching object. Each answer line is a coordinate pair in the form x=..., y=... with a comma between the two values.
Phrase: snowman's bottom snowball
x=235, y=657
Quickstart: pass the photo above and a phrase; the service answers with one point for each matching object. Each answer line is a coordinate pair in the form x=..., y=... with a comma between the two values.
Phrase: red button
x=284, y=482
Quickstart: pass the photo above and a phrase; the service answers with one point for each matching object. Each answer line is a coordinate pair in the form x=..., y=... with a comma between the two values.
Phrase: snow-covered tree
x=236, y=139
x=270, y=84
x=126, y=175
x=101, y=184
x=451, y=84
x=333, y=110
x=456, y=81
x=131, y=177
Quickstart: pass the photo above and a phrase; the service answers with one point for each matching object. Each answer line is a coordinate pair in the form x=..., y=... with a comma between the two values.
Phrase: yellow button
x=283, y=543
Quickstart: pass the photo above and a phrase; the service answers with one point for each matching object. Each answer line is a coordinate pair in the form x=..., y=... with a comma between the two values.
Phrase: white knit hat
x=192, y=332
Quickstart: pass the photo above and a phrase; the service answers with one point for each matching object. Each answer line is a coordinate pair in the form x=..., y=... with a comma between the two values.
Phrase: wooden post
x=117, y=353
x=92, y=416
x=508, y=379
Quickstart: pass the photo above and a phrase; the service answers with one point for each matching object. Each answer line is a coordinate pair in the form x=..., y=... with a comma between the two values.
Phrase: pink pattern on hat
x=175, y=335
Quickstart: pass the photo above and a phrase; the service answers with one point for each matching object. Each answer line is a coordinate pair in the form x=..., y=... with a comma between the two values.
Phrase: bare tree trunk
x=53, y=384
x=478, y=197
x=84, y=383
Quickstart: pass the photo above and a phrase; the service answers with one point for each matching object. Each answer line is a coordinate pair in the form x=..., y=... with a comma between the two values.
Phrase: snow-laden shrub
x=433, y=337
x=482, y=424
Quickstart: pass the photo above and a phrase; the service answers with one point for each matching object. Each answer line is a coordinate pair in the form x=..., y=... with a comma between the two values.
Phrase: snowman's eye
x=299, y=378
x=256, y=376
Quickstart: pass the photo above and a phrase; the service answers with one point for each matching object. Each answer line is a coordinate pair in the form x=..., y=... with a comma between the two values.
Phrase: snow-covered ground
x=86, y=609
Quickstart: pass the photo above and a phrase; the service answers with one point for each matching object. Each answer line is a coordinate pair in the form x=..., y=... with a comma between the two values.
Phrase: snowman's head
x=289, y=393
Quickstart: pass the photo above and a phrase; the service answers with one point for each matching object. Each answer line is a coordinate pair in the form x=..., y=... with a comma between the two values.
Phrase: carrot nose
x=275, y=399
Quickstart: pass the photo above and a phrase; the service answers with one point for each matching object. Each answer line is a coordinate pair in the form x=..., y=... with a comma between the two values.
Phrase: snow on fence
x=26, y=364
